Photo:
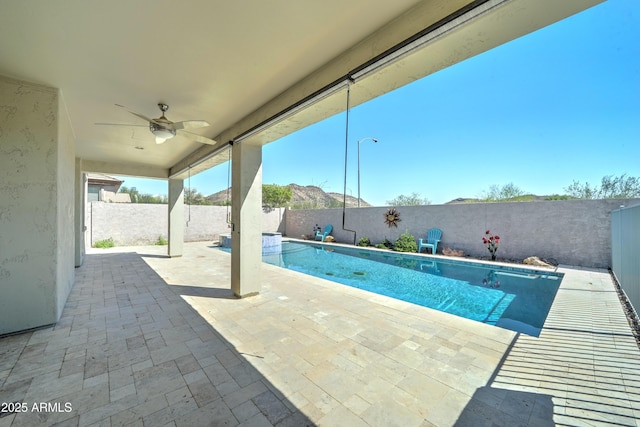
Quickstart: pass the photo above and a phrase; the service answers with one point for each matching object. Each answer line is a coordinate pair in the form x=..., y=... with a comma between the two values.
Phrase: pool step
x=496, y=312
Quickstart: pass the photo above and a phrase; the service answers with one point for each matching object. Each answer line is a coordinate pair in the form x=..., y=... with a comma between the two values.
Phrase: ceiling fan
x=165, y=129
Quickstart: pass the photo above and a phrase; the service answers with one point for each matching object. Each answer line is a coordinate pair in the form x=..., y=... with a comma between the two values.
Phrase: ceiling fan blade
x=196, y=137
x=141, y=116
x=135, y=114
x=119, y=124
x=191, y=124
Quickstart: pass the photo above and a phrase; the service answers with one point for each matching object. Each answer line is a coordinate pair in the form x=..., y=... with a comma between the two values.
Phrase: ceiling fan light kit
x=158, y=127
x=161, y=132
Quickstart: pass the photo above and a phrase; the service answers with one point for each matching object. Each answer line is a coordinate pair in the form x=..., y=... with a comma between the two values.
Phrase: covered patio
x=158, y=336
x=145, y=339
x=81, y=86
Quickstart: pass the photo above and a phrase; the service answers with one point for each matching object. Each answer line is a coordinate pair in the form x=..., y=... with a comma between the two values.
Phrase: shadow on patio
x=130, y=350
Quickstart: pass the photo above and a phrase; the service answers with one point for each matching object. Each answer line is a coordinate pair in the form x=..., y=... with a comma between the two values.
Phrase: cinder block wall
x=573, y=232
x=130, y=224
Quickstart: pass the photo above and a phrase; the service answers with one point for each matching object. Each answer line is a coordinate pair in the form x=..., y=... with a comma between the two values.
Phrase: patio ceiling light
x=161, y=131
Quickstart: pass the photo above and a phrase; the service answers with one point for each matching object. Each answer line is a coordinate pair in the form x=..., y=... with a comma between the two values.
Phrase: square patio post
x=246, y=208
x=80, y=208
x=176, y=217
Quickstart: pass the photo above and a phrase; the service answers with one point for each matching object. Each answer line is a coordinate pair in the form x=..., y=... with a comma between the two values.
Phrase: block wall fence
x=572, y=232
x=132, y=224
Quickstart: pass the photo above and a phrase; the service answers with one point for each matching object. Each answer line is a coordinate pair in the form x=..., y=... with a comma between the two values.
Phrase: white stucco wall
x=36, y=217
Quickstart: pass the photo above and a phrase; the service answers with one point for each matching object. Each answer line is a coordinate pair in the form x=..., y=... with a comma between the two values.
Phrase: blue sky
x=557, y=105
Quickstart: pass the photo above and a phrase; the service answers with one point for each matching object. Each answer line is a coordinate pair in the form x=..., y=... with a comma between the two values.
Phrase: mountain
x=304, y=197
x=523, y=198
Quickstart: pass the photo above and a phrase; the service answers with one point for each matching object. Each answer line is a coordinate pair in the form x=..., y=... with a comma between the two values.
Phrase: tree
x=137, y=197
x=506, y=192
x=194, y=197
x=274, y=196
x=619, y=187
x=581, y=191
x=133, y=193
x=611, y=187
x=415, y=199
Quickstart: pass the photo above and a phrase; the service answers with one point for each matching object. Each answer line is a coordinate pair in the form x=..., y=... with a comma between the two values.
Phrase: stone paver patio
x=146, y=340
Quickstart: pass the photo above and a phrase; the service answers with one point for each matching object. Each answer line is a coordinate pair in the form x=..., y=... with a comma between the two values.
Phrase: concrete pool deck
x=150, y=340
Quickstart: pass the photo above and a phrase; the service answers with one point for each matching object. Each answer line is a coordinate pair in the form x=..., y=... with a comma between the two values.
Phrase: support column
x=176, y=217
x=246, y=208
x=37, y=206
x=80, y=208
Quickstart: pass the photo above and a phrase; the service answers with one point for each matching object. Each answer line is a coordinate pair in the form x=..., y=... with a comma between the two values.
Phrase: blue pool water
x=512, y=298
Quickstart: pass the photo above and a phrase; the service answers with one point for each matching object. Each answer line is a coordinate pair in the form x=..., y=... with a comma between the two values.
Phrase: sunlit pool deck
x=149, y=340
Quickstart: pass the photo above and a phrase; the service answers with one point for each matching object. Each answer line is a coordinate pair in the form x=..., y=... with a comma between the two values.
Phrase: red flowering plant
x=491, y=242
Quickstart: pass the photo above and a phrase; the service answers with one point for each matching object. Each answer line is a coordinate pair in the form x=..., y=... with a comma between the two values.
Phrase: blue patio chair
x=327, y=230
x=433, y=237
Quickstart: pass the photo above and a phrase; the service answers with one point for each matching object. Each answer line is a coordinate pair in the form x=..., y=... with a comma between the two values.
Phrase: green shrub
x=364, y=241
x=103, y=244
x=161, y=241
x=406, y=243
x=386, y=244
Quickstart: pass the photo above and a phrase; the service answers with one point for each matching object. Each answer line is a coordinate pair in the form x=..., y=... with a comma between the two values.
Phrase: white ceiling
x=232, y=63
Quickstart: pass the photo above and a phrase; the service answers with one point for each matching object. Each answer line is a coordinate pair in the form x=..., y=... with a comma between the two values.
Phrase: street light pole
x=363, y=139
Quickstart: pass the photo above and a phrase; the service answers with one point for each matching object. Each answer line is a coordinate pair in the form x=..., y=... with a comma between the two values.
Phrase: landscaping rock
x=452, y=252
x=534, y=260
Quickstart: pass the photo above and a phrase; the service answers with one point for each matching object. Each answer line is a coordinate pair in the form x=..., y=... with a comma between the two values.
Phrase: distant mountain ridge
x=308, y=196
x=314, y=197
x=523, y=198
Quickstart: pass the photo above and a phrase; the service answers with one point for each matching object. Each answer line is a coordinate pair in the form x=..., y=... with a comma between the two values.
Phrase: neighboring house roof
x=102, y=179
x=109, y=187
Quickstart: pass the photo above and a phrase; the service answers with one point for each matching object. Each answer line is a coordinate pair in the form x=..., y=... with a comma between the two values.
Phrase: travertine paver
x=148, y=340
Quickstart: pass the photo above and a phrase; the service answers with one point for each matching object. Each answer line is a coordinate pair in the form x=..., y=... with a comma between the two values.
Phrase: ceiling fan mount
x=165, y=129
x=161, y=127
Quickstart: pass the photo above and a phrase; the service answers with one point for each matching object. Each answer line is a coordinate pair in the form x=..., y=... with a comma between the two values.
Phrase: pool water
x=512, y=298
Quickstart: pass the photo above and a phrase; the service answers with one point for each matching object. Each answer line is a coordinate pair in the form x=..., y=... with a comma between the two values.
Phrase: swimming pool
x=512, y=298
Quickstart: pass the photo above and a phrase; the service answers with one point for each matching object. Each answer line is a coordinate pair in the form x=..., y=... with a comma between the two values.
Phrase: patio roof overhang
x=256, y=71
